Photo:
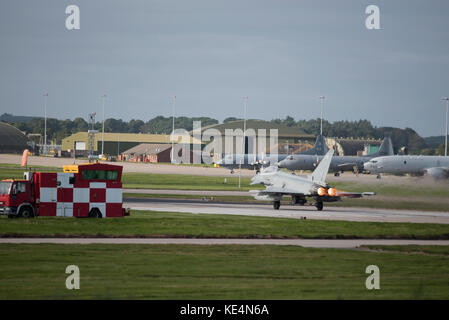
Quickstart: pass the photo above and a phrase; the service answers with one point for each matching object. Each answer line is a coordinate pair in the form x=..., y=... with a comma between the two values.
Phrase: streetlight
x=45, y=122
x=321, y=127
x=173, y=127
x=245, y=102
x=445, y=144
x=103, y=97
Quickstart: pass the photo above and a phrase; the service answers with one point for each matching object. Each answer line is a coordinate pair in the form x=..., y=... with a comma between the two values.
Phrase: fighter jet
x=256, y=162
x=279, y=183
x=338, y=164
x=436, y=167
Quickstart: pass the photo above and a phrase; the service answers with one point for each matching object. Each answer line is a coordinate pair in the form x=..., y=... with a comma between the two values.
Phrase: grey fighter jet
x=434, y=166
x=338, y=164
x=279, y=183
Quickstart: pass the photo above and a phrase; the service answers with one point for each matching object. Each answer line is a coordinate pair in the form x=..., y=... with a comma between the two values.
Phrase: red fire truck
x=84, y=190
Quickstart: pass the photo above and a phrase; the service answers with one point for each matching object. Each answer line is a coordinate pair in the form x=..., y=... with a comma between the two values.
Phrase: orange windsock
x=322, y=191
x=25, y=158
x=332, y=192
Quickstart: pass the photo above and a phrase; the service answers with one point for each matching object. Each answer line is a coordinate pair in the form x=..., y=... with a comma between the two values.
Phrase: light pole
x=103, y=97
x=445, y=144
x=245, y=102
x=321, y=126
x=173, y=128
x=45, y=122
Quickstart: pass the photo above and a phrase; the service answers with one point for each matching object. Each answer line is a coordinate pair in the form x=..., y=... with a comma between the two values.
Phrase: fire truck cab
x=85, y=190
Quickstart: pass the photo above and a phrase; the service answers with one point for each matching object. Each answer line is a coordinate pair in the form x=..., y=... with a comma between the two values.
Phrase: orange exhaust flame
x=322, y=191
x=332, y=192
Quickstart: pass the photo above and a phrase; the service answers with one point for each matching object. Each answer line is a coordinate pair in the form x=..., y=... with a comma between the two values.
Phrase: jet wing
x=274, y=190
x=347, y=165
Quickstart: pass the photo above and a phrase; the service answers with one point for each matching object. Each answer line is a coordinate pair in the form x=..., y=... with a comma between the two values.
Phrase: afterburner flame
x=322, y=191
x=332, y=192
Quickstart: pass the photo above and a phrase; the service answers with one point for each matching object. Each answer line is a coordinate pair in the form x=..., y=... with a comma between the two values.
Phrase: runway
x=308, y=243
x=286, y=211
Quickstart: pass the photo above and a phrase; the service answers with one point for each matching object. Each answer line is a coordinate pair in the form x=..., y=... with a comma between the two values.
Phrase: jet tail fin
x=386, y=148
x=319, y=174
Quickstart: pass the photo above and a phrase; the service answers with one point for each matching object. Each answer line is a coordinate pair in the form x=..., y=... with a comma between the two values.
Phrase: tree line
x=59, y=129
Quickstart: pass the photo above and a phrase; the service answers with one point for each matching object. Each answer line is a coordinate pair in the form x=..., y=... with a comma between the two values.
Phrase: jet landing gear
x=319, y=205
x=276, y=205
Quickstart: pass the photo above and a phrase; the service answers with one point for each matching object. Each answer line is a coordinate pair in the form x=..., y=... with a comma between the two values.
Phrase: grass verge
x=216, y=272
x=166, y=224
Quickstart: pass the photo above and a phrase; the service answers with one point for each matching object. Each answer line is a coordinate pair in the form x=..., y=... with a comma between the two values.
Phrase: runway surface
x=286, y=211
x=310, y=243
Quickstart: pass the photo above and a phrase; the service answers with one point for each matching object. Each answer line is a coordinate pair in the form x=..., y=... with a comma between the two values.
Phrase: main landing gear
x=318, y=205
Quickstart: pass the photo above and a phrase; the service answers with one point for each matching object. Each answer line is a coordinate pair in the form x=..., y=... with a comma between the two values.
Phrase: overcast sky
x=282, y=54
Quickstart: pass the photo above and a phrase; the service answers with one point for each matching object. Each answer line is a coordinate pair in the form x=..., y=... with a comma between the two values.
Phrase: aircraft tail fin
x=319, y=174
x=386, y=148
x=319, y=148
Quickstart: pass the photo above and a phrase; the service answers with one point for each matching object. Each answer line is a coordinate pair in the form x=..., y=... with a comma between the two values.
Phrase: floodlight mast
x=173, y=128
x=103, y=97
x=45, y=122
x=445, y=138
x=321, y=126
x=245, y=102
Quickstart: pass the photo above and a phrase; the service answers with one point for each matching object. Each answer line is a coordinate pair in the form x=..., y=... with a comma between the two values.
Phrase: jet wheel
x=276, y=205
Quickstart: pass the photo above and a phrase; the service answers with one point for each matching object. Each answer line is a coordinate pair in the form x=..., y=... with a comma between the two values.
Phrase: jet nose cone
x=368, y=166
x=281, y=164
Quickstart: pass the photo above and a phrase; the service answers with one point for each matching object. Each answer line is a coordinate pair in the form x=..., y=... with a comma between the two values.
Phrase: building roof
x=68, y=142
x=148, y=149
x=12, y=139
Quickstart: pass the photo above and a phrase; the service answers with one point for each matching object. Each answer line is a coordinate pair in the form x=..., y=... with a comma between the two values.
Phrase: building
x=12, y=140
x=114, y=143
x=353, y=147
x=148, y=152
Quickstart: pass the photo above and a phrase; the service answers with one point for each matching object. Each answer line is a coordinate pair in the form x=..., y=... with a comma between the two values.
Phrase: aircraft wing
x=274, y=190
x=349, y=165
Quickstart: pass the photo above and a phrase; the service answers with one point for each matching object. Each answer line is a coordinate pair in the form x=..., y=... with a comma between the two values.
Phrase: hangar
x=12, y=140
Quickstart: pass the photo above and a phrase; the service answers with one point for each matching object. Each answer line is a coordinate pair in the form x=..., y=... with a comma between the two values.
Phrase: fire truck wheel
x=26, y=212
x=95, y=213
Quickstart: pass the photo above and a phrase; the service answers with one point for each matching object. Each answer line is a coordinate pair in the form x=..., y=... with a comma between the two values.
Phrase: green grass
x=184, y=182
x=412, y=249
x=154, y=224
x=216, y=272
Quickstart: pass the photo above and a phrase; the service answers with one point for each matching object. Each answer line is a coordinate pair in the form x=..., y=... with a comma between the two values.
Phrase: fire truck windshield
x=100, y=174
x=5, y=187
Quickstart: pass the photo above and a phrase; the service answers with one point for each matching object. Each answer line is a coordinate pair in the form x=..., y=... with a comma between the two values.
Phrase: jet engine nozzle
x=332, y=192
x=322, y=191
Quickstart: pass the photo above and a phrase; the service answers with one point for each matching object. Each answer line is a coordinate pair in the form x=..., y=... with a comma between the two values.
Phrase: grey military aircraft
x=256, y=161
x=433, y=166
x=279, y=183
x=338, y=164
